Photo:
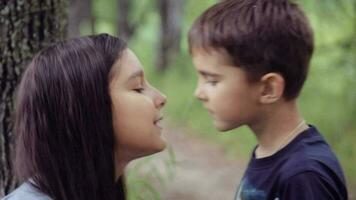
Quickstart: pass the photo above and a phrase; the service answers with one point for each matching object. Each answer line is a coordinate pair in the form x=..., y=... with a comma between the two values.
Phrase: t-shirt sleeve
x=307, y=185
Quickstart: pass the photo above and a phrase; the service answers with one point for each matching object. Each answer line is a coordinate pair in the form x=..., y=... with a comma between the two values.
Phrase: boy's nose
x=200, y=94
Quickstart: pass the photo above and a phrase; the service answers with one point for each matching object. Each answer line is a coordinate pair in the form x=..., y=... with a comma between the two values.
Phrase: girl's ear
x=272, y=87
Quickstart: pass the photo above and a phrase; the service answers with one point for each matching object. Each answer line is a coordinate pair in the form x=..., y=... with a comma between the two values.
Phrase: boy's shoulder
x=310, y=154
x=305, y=168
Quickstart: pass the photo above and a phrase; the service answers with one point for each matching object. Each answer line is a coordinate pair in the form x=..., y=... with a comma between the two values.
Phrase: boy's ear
x=272, y=87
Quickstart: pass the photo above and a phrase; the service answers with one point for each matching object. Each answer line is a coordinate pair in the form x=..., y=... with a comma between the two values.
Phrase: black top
x=304, y=169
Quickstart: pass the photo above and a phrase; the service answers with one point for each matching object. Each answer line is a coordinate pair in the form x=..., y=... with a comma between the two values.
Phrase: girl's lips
x=158, y=122
x=158, y=119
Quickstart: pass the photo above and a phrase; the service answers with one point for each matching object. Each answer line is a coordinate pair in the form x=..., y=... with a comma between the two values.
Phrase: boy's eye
x=212, y=82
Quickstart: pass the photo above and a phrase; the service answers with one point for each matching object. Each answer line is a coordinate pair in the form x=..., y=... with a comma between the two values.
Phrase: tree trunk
x=80, y=11
x=125, y=28
x=26, y=26
x=170, y=31
x=130, y=18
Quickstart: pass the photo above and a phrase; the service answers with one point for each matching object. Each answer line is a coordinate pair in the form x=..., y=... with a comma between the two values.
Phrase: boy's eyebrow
x=136, y=74
x=206, y=73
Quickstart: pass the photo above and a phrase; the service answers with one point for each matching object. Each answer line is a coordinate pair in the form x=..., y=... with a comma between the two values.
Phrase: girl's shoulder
x=26, y=191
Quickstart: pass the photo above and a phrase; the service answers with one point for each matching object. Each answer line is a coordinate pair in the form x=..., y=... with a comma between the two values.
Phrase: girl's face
x=136, y=108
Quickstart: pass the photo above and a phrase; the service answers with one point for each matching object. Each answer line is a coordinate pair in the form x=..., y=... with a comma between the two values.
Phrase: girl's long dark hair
x=65, y=140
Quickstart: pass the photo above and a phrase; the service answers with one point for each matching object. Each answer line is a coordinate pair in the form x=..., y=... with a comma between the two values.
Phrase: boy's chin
x=223, y=127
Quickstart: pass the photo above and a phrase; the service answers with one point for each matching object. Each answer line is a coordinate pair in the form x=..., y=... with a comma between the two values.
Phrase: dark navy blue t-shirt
x=305, y=169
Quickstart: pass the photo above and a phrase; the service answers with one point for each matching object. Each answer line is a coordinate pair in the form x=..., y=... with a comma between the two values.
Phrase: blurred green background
x=328, y=99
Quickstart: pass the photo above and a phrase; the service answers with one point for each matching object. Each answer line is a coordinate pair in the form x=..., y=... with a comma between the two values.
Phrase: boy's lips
x=209, y=111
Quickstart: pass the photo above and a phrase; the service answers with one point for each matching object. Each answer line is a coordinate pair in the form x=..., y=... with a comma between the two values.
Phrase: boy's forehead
x=211, y=55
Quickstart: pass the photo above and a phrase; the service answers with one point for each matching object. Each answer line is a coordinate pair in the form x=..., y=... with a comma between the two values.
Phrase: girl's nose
x=160, y=100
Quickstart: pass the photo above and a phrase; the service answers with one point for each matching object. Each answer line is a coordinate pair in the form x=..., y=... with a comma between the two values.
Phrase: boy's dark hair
x=65, y=139
x=260, y=36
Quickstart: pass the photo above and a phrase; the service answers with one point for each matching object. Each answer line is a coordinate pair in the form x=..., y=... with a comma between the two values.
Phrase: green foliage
x=105, y=13
x=329, y=97
x=144, y=171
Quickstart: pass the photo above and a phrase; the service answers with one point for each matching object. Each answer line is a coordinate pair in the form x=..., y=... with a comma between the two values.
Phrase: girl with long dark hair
x=84, y=111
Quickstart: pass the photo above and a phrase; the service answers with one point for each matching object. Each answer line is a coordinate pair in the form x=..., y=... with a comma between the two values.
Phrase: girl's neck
x=119, y=170
x=120, y=164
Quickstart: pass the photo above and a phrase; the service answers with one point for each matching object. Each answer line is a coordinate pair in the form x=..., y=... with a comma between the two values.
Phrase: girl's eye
x=139, y=90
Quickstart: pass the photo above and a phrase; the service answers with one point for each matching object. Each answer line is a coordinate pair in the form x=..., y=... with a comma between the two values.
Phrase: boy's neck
x=280, y=125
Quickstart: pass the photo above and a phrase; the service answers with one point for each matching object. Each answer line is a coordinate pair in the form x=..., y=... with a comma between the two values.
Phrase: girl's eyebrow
x=136, y=74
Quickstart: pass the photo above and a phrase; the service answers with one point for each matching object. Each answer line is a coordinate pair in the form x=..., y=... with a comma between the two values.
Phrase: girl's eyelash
x=139, y=90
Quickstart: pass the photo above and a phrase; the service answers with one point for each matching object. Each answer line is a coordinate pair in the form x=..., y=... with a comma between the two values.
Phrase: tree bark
x=170, y=32
x=26, y=26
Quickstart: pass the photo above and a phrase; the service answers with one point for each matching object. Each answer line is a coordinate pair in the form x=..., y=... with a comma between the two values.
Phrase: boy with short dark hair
x=252, y=57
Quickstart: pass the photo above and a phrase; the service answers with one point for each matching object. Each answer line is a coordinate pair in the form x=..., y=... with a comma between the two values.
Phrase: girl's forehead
x=128, y=65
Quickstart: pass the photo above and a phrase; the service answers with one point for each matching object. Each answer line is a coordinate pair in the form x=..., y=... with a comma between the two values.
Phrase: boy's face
x=224, y=90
